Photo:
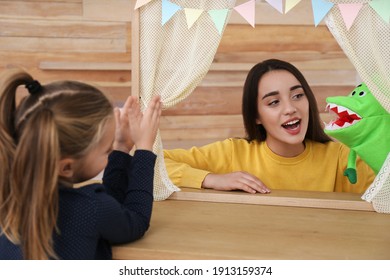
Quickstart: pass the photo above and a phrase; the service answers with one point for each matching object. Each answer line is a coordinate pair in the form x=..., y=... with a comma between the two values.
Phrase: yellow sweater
x=319, y=168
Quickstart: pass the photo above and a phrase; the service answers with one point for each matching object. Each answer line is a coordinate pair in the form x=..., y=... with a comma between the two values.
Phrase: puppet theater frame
x=163, y=48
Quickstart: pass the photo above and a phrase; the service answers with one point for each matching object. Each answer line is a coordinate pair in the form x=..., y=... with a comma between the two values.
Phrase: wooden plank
x=187, y=144
x=209, y=101
x=275, y=38
x=107, y=10
x=305, y=65
x=62, y=29
x=34, y=58
x=313, y=77
x=59, y=45
x=47, y=9
x=195, y=122
x=337, y=64
x=85, y=66
x=100, y=78
x=344, y=201
x=201, y=133
x=334, y=64
x=301, y=58
x=28, y=1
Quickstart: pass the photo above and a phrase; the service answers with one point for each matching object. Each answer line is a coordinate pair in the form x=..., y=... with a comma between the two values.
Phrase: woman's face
x=283, y=110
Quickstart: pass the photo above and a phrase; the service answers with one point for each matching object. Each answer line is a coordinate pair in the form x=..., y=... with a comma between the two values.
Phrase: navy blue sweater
x=93, y=217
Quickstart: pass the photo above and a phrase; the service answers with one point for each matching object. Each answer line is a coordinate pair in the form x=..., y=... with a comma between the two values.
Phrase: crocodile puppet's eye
x=362, y=93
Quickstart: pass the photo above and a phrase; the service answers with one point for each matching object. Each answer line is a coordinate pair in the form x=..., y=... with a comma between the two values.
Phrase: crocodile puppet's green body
x=363, y=125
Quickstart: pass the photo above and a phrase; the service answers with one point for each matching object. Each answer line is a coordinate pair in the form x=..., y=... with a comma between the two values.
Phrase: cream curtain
x=367, y=45
x=173, y=60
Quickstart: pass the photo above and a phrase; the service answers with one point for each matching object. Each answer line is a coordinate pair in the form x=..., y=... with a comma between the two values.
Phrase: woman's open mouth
x=292, y=126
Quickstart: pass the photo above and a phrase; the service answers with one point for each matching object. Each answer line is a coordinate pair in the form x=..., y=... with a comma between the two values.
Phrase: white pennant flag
x=141, y=3
x=277, y=4
x=290, y=4
x=192, y=15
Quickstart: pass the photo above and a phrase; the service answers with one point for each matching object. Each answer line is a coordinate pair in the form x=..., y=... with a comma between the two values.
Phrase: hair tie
x=33, y=87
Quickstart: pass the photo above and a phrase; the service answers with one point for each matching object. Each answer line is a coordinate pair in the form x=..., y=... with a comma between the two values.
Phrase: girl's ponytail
x=9, y=83
x=29, y=152
x=35, y=180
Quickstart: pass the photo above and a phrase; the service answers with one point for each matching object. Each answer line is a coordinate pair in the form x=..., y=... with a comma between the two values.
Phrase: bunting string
x=349, y=10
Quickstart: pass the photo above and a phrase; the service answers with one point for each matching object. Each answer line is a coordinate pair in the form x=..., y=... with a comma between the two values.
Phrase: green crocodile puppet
x=363, y=125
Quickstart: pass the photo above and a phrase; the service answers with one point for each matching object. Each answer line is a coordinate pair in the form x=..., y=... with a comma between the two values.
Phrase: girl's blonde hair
x=60, y=119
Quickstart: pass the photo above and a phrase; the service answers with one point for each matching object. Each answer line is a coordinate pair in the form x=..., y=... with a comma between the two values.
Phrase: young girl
x=285, y=147
x=64, y=133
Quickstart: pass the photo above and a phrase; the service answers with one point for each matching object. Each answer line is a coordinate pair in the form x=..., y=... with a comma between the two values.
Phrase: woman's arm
x=210, y=166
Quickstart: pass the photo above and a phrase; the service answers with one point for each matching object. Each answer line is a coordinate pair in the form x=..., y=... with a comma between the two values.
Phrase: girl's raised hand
x=123, y=140
x=144, y=126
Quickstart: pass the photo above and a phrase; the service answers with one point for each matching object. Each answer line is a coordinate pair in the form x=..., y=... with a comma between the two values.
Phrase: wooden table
x=203, y=224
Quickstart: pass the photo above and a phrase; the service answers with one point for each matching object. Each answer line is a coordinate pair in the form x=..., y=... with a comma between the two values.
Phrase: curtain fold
x=173, y=61
x=366, y=44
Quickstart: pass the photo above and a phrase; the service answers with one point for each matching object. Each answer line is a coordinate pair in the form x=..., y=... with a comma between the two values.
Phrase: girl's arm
x=128, y=219
x=125, y=213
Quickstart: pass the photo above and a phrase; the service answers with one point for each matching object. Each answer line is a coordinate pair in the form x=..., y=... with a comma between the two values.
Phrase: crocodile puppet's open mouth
x=345, y=117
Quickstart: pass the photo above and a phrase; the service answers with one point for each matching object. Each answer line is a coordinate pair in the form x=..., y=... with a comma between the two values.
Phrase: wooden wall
x=90, y=40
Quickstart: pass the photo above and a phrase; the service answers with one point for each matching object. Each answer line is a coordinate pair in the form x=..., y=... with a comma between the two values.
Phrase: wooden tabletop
x=201, y=224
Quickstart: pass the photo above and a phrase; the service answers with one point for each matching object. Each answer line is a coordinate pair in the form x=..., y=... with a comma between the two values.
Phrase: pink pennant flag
x=349, y=12
x=277, y=4
x=141, y=3
x=247, y=11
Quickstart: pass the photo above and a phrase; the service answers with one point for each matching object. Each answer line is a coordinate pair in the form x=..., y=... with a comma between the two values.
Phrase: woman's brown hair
x=256, y=131
x=60, y=119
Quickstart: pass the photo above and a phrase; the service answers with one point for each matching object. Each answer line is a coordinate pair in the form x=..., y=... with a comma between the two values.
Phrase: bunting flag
x=277, y=4
x=219, y=18
x=168, y=10
x=141, y=3
x=247, y=11
x=290, y=4
x=349, y=12
x=382, y=7
x=320, y=9
x=192, y=15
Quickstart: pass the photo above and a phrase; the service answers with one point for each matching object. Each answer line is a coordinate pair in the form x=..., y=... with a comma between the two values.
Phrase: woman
x=285, y=147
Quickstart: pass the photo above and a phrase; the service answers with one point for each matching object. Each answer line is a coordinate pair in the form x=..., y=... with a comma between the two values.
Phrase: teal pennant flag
x=168, y=10
x=219, y=18
x=382, y=7
x=320, y=9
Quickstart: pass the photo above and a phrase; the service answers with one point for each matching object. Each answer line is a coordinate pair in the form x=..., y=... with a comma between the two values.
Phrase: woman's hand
x=234, y=181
